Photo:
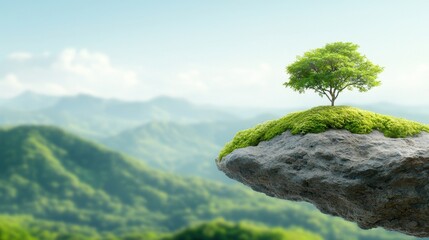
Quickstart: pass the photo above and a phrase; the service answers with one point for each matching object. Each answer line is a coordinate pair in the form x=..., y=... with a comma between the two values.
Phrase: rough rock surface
x=368, y=179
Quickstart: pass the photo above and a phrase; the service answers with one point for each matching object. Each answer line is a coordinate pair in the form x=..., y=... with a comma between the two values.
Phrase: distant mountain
x=416, y=113
x=53, y=175
x=188, y=149
x=161, y=108
x=96, y=117
x=28, y=101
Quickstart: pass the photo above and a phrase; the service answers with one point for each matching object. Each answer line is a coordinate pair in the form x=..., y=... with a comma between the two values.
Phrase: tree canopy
x=332, y=69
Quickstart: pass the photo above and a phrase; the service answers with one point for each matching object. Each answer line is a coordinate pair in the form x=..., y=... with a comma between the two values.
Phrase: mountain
x=28, y=101
x=52, y=175
x=161, y=108
x=416, y=113
x=188, y=149
x=97, y=117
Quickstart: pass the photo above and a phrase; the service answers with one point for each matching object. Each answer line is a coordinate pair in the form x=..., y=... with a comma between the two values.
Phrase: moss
x=320, y=119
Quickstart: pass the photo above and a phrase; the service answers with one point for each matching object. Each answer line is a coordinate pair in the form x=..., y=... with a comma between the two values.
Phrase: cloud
x=92, y=66
x=11, y=84
x=20, y=56
x=71, y=71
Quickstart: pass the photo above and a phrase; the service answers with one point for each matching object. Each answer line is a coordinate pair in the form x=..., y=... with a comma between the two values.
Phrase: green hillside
x=221, y=230
x=186, y=149
x=320, y=119
x=28, y=228
x=55, y=176
x=168, y=146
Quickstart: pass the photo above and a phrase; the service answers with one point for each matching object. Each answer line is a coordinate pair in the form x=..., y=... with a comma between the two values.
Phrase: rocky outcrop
x=368, y=179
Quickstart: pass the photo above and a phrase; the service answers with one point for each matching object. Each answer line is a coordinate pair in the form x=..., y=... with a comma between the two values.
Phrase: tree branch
x=326, y=94
x=346, y=86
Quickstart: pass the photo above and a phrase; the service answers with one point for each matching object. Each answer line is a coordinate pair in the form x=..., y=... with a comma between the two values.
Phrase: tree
x=332, y=69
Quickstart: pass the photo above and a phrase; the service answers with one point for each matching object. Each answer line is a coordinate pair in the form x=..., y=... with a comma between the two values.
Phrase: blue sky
x=210, y=52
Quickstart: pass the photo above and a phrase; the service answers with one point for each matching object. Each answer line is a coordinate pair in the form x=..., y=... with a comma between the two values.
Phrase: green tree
x=331, y=69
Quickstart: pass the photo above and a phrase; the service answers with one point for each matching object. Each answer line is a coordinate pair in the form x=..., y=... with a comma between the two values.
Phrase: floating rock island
x=365, y=167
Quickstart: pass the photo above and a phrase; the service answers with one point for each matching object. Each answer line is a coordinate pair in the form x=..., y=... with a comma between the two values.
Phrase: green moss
x=320, y=119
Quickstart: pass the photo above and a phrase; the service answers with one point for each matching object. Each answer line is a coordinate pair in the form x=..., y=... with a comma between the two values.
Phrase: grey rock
x=368, y=179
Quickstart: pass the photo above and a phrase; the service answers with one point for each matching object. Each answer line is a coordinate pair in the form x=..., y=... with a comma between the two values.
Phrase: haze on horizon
x=217, y=53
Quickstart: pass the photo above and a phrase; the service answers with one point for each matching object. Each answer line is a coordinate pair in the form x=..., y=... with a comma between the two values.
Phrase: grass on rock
x=320, y=119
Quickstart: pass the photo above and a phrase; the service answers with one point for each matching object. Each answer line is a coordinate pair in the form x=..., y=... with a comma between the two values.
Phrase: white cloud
x=70, y=71
x=11, y=85
x=20, y=56
x=92, y=66
x=12, y=80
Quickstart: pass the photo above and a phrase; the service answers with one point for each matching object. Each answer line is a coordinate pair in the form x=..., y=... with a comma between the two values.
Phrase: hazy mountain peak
x=29, y=94
x=170, y=101
x=29, y=101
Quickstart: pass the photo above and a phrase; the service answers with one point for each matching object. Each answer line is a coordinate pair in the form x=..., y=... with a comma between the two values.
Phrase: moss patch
x=320, y=119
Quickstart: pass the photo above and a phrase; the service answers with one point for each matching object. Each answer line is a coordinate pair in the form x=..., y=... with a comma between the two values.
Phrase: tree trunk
x=333, y=101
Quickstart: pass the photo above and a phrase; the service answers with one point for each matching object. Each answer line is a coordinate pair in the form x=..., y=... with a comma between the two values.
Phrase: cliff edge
x=370, y=179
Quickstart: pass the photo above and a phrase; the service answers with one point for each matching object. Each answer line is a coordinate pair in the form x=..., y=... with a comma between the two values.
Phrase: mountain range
x=97, y=117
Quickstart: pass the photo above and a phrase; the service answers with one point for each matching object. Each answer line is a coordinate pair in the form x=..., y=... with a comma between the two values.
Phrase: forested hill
x=186, y=149
x=52, y=175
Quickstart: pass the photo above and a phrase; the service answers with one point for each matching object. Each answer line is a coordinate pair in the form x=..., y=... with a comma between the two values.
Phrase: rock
x=368, y=179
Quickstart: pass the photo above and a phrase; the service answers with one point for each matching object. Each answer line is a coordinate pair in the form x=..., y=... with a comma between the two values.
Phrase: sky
x=223, y=53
